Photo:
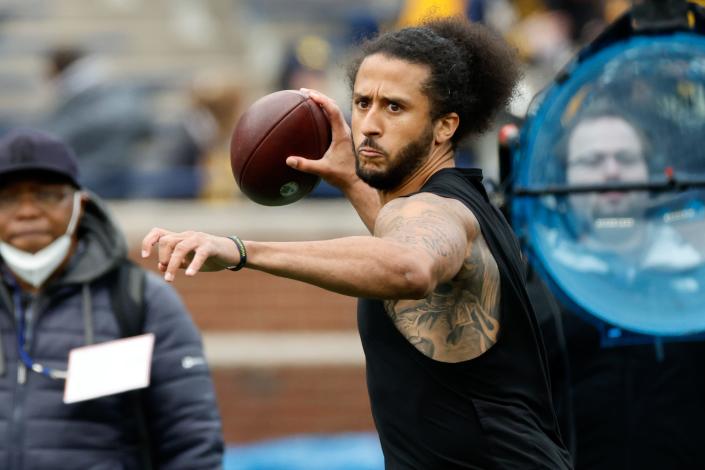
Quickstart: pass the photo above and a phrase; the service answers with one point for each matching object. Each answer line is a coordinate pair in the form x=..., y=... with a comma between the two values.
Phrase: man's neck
x=440, y=158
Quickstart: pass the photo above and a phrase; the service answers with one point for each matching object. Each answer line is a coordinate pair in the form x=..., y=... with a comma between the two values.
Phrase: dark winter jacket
x=39, y=431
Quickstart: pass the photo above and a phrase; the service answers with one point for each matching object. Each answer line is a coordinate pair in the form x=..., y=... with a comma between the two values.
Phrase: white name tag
x=107, y=368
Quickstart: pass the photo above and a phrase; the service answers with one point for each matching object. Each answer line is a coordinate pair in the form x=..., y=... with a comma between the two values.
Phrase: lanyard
x=21, y=339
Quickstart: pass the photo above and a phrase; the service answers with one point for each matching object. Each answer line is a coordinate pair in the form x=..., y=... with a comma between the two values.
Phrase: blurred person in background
x=216, y=103
x=546, y=33
x=65, y=284
x=108, y=122
x=606, y=148
x=306, y=63
x=611, y=230
x=189, y=156
x=629, y=406
x=455, y=365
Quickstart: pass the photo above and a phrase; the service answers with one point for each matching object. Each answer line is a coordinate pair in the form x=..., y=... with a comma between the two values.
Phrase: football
x=274, y=127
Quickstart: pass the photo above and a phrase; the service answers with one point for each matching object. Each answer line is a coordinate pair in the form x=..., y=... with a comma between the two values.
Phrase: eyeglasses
x=597, y=159
x=44, y=198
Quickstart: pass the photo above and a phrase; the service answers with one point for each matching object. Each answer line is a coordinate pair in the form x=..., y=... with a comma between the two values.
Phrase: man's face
x=392, y=131
x=34, y=213
x=606, y=150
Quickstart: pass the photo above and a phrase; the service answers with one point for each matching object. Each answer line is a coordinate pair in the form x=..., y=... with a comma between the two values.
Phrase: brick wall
x=259, y=403
x=252, y=300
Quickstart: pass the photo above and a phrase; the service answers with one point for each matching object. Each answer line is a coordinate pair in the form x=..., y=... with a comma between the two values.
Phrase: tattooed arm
x=460, y=319
x=431, y=225
x=418, y=244
x=424, y=247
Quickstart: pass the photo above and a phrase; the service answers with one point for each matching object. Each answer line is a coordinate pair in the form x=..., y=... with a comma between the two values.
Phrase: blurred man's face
x=606, y=150
x=34, y=213
x=392, y=131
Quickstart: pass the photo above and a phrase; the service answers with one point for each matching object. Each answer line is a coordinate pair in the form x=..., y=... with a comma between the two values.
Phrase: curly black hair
x=473, y=70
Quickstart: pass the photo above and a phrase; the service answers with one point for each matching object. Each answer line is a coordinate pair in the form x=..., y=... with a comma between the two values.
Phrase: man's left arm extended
x=404, y=261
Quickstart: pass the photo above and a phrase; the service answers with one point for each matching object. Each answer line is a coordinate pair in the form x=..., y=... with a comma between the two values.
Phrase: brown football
x=273, y=128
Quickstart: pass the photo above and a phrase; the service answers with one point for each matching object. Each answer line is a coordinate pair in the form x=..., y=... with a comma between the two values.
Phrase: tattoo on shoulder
x=425, y=224
x=460, y=319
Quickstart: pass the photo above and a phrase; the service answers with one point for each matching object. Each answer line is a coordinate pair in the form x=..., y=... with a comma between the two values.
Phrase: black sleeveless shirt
x=491, y=412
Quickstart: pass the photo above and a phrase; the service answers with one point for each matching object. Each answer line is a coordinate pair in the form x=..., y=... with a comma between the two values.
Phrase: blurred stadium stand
x=285, y=356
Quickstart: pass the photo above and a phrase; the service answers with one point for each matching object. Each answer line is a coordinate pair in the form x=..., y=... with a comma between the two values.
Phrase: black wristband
x=243, y=253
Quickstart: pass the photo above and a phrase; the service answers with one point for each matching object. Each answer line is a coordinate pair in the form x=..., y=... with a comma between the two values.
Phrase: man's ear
x=445, y=128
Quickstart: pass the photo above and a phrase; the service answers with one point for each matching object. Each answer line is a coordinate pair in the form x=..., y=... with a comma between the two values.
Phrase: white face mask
x=35, y=268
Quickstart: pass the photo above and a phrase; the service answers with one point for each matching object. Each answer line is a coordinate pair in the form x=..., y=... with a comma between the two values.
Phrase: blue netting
x=636, y=261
